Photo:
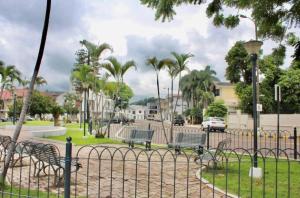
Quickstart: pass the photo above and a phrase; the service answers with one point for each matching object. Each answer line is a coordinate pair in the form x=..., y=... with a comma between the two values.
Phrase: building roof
x=8, y=95
x=223, y=83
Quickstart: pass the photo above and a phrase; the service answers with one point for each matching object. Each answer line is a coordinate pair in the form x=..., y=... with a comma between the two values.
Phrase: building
x=225, y=91
x=137, y=112
x=152, y=111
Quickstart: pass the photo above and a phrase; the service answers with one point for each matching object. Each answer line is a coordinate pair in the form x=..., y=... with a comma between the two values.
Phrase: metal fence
x=118, y=171
x=289, y=141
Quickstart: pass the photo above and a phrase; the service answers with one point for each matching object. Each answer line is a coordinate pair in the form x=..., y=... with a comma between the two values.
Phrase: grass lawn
x=14, y=191
x=31, y=123
x=268, y=181
x=76, y=133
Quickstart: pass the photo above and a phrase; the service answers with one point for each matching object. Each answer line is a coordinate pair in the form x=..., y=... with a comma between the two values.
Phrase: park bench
x=194, y=141
x=140, y=137
x=214, y=156
x=47, y=156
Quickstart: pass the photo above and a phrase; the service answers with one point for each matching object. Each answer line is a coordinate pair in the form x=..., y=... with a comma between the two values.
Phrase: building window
x=133, y=112
x=217, y=92
x=140, y=111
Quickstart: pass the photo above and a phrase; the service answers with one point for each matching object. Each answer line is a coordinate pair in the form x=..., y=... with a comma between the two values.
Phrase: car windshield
x=217, y=119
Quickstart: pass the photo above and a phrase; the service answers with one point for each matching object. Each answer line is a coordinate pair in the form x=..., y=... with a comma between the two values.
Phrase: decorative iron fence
x=46, y=170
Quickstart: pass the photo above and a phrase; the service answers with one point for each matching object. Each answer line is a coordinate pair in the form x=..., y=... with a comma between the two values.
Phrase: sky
x=127, y=26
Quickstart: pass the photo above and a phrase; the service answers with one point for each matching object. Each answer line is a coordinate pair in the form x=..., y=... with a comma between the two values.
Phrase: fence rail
x=119, y=171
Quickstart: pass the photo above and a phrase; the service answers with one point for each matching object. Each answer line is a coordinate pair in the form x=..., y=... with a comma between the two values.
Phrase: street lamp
x=253, y=47
x=14, y=118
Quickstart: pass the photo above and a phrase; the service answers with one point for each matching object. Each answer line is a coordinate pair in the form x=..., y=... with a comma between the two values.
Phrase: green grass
x=30, y=123
x=268, y=181
x=14, y=191
x=76, y=133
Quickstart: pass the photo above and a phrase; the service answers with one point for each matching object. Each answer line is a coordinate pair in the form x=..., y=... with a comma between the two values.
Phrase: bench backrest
x=5, y=141
x=190, y=138
x=193, y=138
x=141, y=134
x=223, y=145
x=46, y=153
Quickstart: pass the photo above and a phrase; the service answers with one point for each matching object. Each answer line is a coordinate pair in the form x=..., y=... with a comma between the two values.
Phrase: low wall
x=41, y=131
x=267, y=121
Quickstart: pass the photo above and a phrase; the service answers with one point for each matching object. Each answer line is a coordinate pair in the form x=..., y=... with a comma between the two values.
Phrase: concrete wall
x=267, y=121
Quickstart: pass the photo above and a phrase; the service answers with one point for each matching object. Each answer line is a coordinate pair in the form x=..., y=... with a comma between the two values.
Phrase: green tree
x=125, y=93
x=216, y=109
x=70, y=104
x=181, y=60
x=19, y=105
x=118, y=71
x=239, y=66
x=9, y=74
x=157, y=66
x=56, y=111
x=39, y=104
x=290, y=89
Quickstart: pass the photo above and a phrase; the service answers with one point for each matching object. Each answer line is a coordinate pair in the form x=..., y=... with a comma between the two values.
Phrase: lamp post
x=253, y=47
x=257, y=67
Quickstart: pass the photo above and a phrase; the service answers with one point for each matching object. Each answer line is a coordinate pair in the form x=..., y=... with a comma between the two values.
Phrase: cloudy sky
x=125, y=24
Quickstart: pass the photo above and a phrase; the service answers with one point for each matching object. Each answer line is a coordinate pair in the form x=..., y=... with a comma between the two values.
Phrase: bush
x=216, y=109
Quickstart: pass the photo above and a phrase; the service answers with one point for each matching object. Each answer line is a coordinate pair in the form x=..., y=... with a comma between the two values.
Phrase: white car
x=214, y=123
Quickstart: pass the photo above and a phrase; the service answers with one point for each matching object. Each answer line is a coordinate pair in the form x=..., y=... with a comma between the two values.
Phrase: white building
x=136, y=112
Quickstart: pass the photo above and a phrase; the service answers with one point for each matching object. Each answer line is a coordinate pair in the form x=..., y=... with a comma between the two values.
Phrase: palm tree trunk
x=177, y=93
x=84, y=112
x=28, y=96
x=160, y=111
x=172, y=112
x=1, y=95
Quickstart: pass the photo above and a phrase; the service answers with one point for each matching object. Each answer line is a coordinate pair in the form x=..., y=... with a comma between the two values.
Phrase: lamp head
x=253, y=46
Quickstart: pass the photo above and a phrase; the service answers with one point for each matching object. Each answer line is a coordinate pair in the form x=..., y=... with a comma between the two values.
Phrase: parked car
x=116, y=120
x=214, y=123
x=28, y=118
x=3, y=119
x=178, y=120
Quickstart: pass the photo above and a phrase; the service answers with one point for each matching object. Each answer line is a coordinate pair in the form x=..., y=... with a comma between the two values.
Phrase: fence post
x=207, y=132
x=149, y=126
x=295, y=143
x=68, y=159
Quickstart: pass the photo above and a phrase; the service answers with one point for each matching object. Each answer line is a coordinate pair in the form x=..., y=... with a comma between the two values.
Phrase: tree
x=27, y=97
x=290, y=89
x=144, y=102
x=39, y=104
x=19, y=104
x=70, y=104
x=216, y=109
x=181, y=60
x=239, y=66
x=157, y=66
x=56, y=111
x=8, y=75
x=82, y=77
x=118, y=71
x=40, y=80
x=271, y=16
x=125, y=93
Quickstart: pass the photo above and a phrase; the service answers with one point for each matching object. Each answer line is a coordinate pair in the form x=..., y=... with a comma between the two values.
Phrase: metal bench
x=48, y=156
x=214, y=156
x=140, y=137
x=194, y=141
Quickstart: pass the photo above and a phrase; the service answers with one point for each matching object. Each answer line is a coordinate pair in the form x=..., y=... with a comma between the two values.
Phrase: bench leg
x=199, y=150
x=148, y=145
x=177, y=150
x=131, y=145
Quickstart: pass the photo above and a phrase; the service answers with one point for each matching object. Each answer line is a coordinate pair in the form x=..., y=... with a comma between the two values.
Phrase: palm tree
x=157, y=66
x=93, y=55
x=8, y=74
x=83, y=79
x=173, y=71
x=28, y=96
x=118, y=71
x=181, y=61
x=38, y=82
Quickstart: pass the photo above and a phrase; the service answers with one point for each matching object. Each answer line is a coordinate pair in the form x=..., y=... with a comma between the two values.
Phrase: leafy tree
x=144, y=102
x=239, y=66
x=19, y=105
x=39, y=104
x=125, y=93
x=9, y=74
x=272, y=17
x=290, y=89
x=216, y=109
x=70, y=104
x=196, y=114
